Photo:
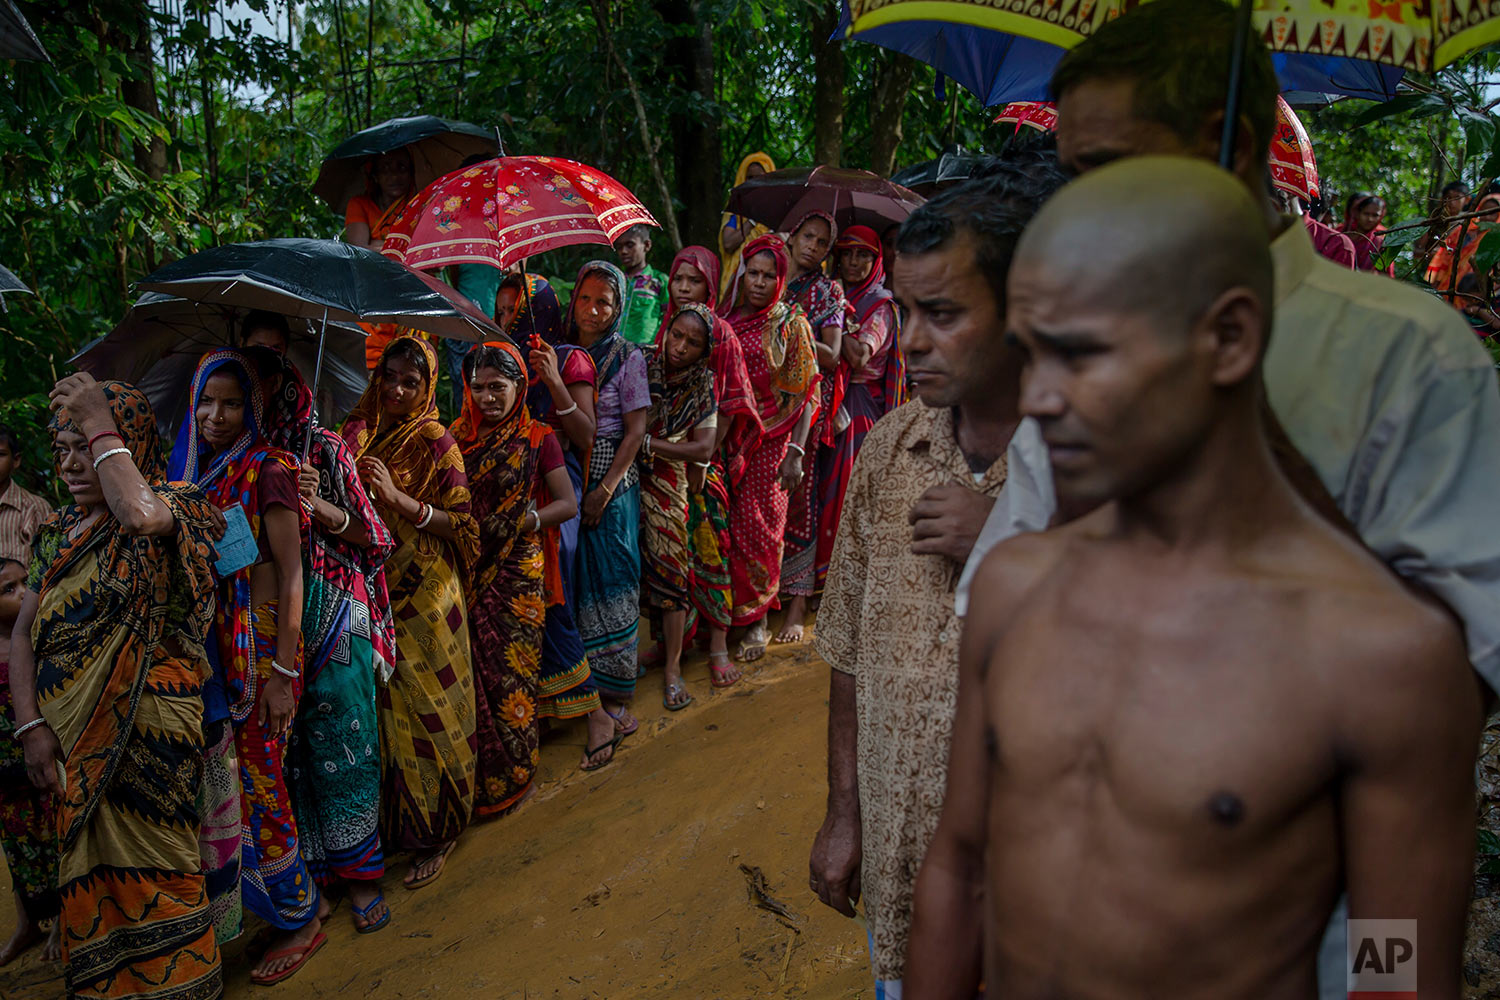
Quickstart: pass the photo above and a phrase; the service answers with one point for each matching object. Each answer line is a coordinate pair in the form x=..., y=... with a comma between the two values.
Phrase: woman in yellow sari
x=413, y=470
x=107, y=673
x=737, y=229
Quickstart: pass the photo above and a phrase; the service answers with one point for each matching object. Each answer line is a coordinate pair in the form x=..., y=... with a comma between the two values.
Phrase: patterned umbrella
x=17, y=40
x=1040, y=115
x=510, y=208
x=1293, y=168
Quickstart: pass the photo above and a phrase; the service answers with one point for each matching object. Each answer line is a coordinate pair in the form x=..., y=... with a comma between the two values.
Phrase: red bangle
x=105, y=434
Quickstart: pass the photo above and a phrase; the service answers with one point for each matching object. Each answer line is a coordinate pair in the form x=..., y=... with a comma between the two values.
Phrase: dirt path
x=626, y=883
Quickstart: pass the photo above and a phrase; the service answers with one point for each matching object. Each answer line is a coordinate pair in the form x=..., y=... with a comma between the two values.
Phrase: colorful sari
x=749, y=227
x=364, y=208
x=783, y=366
x=255, y=475
x=427, y=708
x=609, y=553
x=516, y=577
x=821, y=300
x=566, y=688
x=118, y=642
x=681, y=401
x=28, y=820
x=1463, y=241
x=334, y=753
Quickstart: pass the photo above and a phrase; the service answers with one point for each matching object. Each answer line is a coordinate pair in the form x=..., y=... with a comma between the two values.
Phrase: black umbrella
x=158, y=343
x=322, y=279
x=437, y=147
x=853, y=197
x=954, y=166
x=10, y=284
x=17, y=40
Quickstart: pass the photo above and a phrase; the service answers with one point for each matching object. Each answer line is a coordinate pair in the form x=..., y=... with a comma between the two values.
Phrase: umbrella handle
x=317, y=376
x=1232, y=100
x=535, y=338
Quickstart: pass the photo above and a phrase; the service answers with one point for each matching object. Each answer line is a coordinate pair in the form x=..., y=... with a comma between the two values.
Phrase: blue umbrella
x=998, y=67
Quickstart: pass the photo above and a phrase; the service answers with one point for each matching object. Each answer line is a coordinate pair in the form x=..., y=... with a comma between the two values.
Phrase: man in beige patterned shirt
x=925, y=479
x=20, y=509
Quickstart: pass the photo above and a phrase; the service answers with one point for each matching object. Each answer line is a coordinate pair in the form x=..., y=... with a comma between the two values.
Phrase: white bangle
x=28, y=727
x=343, y=527
x=283, y=671
x=564, y=413
x=646, y=445
x=426, y=517
x=110, y=453
x=537, y=515
x=794, y=446
x=704, y=465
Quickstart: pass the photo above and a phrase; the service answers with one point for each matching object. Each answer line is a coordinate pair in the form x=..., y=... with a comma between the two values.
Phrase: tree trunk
x=138, y=88
x=696, y=142
x=828, y=87
x=893, y=79
x=291, y=65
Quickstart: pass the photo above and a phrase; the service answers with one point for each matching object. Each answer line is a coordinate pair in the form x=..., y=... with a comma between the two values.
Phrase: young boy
x=20, y=509
x=648, y=286
x=28, y=830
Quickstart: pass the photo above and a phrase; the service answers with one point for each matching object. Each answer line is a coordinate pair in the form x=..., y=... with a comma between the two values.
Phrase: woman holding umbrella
x=370, y=216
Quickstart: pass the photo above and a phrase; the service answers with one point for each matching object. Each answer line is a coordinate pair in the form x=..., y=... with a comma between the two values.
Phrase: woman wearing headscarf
x=783, y=365
x=877, y=374
x=561, y=395
x=348, y=641
x=414, y=472
x=368, y=219
x=222, y=448
x=107, y=701
x=1466, y=235
x=609, y=545
x=521, y=493
x=1362, y=214
x=821, y=300
x=737, y=230
x=694, y=278
x=680, y=429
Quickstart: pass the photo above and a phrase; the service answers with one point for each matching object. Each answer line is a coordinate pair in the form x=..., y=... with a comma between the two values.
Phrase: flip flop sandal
x=673, y=690
x=359, y=914
x=716, y=670
x=746, y=647
x=303, y=953
x=614, y=746
x=433, y=877
x=635, y=725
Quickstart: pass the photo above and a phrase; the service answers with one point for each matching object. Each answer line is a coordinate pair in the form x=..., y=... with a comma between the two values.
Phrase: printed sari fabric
x=334, y=753
x=118, y=641
x=609, y=553
x=427, y=736
x=681, y=402
x=255, y=475
x=783, y=367
x=28, y=822
x=510, y=591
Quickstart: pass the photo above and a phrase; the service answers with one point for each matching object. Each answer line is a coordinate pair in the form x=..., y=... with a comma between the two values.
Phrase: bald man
x=1190, y=718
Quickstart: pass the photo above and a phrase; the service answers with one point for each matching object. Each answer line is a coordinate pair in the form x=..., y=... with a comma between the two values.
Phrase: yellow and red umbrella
x=1293, y=168
x=505, y=210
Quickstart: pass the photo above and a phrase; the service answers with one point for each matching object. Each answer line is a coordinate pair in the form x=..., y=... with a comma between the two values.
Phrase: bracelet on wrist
x=571, y=409
x=427, y=510
x=283, y=671
x=104, y=434
x=345, y=525
x=110, y=454
x=20, y=731
x=794, y=446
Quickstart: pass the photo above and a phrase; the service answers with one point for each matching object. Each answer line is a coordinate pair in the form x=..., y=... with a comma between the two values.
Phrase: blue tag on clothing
x=237, y=549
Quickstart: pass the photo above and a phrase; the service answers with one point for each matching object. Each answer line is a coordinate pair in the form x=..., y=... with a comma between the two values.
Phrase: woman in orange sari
x=369, y=218
x=1440, y=267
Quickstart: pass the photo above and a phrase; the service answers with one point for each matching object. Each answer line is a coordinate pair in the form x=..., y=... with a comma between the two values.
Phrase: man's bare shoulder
x=1014, y=569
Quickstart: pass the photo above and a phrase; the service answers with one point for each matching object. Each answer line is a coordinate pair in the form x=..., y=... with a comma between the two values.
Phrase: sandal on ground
x=750, y=651
x=620, y=729
x=303, y=953
x=717, y=671
x=360, y=913
x=441, y=856
x=671, y=692
x=614, y=748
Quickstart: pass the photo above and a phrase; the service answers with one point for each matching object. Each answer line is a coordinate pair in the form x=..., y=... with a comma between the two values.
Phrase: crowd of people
x=246, y=673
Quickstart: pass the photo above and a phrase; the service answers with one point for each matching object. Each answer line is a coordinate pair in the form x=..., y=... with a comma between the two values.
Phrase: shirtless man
x=1191, y=717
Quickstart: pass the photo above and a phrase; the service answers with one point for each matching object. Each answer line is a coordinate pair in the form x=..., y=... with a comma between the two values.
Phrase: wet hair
x=265, y=361
x=9, y=437
x=993, y=208
x=407, y=349
x=261, y=319
x=485, y=356
x=1183, y=82
x=639, y=231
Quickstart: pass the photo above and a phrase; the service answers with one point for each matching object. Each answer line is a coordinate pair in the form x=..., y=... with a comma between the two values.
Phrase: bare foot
x=426, y=868
x=722, y=669
x=27, y=935
x=753, y=645
x=52, y=947
x=796, y=614
x=288, y=949
x=361, y=895
x=603, y=730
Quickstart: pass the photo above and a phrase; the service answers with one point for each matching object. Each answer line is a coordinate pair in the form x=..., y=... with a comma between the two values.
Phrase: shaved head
x=1165, y=234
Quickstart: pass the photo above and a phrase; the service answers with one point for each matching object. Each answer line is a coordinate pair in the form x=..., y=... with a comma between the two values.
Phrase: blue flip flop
x=358, y=912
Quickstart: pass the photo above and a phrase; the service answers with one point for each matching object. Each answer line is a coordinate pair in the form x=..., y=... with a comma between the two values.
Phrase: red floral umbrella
x=1293, y=168
x=1040, y=115
x=510, y=208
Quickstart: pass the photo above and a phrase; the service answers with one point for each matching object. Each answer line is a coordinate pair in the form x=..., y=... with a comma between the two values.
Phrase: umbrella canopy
x=158, y=343
x=437, y=147
x=1293, y=168
x=1040, y=115
x=9, y=285
x=17, y=40
x=1005, y=56
x=313, y=278
x=852, y=197
x=956, y=164
x=512, y=207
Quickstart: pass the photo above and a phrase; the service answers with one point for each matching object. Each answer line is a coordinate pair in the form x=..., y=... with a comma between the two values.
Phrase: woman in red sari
x=783, y=365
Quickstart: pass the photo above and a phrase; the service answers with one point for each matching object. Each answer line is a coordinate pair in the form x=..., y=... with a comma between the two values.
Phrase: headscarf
x=610, y=350
x=870, y=295
x=703, y=260
x=191, y=458
x=747, y=226
x=513, y=443
x=782, y=333
x=817, y=213
x=681, y=400
x=333, y=561
x=144, y=588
